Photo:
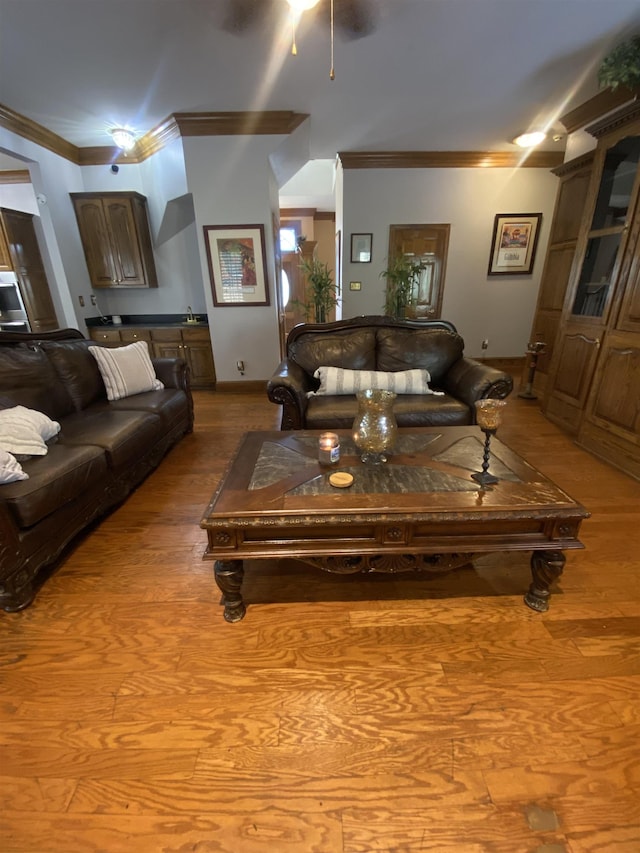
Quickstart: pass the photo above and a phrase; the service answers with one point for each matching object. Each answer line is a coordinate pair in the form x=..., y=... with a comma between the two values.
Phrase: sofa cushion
x=170, y=405
x=10, y=469
x=54, y=479
x=125, y=436
x=410, y=410
x=77, y=369
x=353, y=349
x=29, y=379
x=126, y=370
x=336, y=380
x=433, y=349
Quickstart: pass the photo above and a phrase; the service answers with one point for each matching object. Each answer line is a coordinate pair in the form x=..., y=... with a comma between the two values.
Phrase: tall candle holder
x=488, y=418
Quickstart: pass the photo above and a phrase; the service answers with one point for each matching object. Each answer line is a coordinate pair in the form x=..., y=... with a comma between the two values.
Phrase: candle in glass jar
x=328, y=448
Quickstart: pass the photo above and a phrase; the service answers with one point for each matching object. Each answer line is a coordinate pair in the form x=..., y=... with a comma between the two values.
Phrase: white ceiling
x=435, y=74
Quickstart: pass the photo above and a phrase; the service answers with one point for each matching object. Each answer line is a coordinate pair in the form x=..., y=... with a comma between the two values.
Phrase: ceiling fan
x=352, y=19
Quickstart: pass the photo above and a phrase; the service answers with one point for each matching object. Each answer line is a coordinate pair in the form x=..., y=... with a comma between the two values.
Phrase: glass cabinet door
x=607, y=227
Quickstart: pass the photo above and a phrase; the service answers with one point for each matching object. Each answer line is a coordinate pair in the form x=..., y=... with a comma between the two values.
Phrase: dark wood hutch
x=588, y=309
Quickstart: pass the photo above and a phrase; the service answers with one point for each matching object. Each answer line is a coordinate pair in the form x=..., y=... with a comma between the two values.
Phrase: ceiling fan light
x=302, y=5
x=123, y=138
x=529, y=140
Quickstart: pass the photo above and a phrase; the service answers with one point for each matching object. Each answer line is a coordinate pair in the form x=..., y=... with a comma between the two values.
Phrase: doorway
x=426, y=244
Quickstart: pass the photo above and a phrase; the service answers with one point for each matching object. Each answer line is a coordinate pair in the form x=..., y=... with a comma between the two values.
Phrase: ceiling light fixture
x=123, y=138
x=529, y=140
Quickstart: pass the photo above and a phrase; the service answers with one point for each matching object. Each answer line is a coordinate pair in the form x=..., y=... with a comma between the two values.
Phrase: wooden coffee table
x=419, y=511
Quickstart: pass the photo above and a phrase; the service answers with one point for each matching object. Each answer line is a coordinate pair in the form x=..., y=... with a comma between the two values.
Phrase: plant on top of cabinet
x=621, y=67
x=114, y=229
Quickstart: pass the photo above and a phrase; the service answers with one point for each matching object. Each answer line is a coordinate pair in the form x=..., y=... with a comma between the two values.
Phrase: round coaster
x=340, y=479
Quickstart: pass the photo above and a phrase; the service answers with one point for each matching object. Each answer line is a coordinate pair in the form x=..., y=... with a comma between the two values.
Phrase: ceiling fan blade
x=355, y=18
x=240, y=16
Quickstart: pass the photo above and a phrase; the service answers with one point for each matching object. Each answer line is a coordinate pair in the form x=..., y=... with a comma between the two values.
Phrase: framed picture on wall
x=237, y=264
x=361, y=248
x=514, y=242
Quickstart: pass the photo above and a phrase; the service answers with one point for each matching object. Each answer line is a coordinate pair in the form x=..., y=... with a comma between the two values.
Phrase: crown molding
x=173, y=127
x=449, y=159
x=581, y=162
x=98, y=155
x=247, y=123
x=157, y=138
x=34, y=132
x=15, y=176
x=628, y=113
x=296, y=212
x=599, y=105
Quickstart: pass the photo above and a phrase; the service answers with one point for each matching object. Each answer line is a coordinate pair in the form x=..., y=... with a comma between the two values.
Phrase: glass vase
x=375, y=429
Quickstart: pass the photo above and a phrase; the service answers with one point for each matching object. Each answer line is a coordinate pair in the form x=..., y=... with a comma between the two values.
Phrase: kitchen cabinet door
x=114, y=230
x=26, y=261
x=199, y=354
x=5, y=259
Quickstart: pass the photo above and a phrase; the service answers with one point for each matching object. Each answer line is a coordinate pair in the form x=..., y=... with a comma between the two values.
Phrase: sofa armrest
x=469, y=380
x=172, y=372
x=288, y=388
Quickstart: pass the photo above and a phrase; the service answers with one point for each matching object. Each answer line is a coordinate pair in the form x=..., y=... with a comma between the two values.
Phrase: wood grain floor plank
x=476, y=828
x=263, y=830
x=219, y=791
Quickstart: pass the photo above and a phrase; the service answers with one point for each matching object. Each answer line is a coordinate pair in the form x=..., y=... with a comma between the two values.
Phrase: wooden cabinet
x=594, y=378
x=114, y=229
x=26, y=262
x=194, y=345
x=191, y=344
x=575, y=177
x=5, y=259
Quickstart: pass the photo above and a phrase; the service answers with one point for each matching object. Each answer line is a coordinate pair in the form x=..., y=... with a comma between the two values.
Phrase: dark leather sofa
x=382, y=344
x=103, y=451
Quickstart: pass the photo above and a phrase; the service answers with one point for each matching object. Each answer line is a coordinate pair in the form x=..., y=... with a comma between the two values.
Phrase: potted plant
x=402, y=275
x=621, y=67
x=321, y=290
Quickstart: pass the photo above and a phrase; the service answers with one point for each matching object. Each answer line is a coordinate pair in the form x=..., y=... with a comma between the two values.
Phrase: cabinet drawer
x=170, y=335
x=201, y=334
x=105, y=336
x=130, y=336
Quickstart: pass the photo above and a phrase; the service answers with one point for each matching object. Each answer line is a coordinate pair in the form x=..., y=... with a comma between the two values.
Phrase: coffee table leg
x=229, y=575
x=546, y=567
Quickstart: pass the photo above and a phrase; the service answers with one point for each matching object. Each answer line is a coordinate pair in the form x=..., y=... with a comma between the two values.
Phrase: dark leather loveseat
x=103, y=450
x=382, y=344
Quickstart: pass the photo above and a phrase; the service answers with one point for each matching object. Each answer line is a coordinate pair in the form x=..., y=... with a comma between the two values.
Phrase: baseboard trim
x=514, y=365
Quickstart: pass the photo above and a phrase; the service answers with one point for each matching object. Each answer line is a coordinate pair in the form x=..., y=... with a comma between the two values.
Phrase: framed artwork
x=361, y=248
x=237, y=264
x=513, y=247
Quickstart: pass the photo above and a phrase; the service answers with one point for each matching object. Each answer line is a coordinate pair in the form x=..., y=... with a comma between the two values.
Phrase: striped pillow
x=338, y=380
x=126, y=370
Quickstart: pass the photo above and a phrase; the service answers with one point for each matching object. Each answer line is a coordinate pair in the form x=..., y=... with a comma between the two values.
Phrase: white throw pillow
x=126, y=370
x=339, y=380
x=24, y=432
x=10, y=468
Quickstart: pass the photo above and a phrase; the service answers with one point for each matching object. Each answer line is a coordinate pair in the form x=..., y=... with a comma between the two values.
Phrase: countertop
x=129, y=320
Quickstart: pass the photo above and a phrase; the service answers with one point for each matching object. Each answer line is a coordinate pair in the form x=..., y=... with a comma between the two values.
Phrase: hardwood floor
x=344, y=714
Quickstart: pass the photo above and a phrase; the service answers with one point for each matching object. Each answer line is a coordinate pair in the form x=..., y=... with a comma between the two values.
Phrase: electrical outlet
x=240, y=366
x=81, y=301
x=485, y=344
x=94, y=299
